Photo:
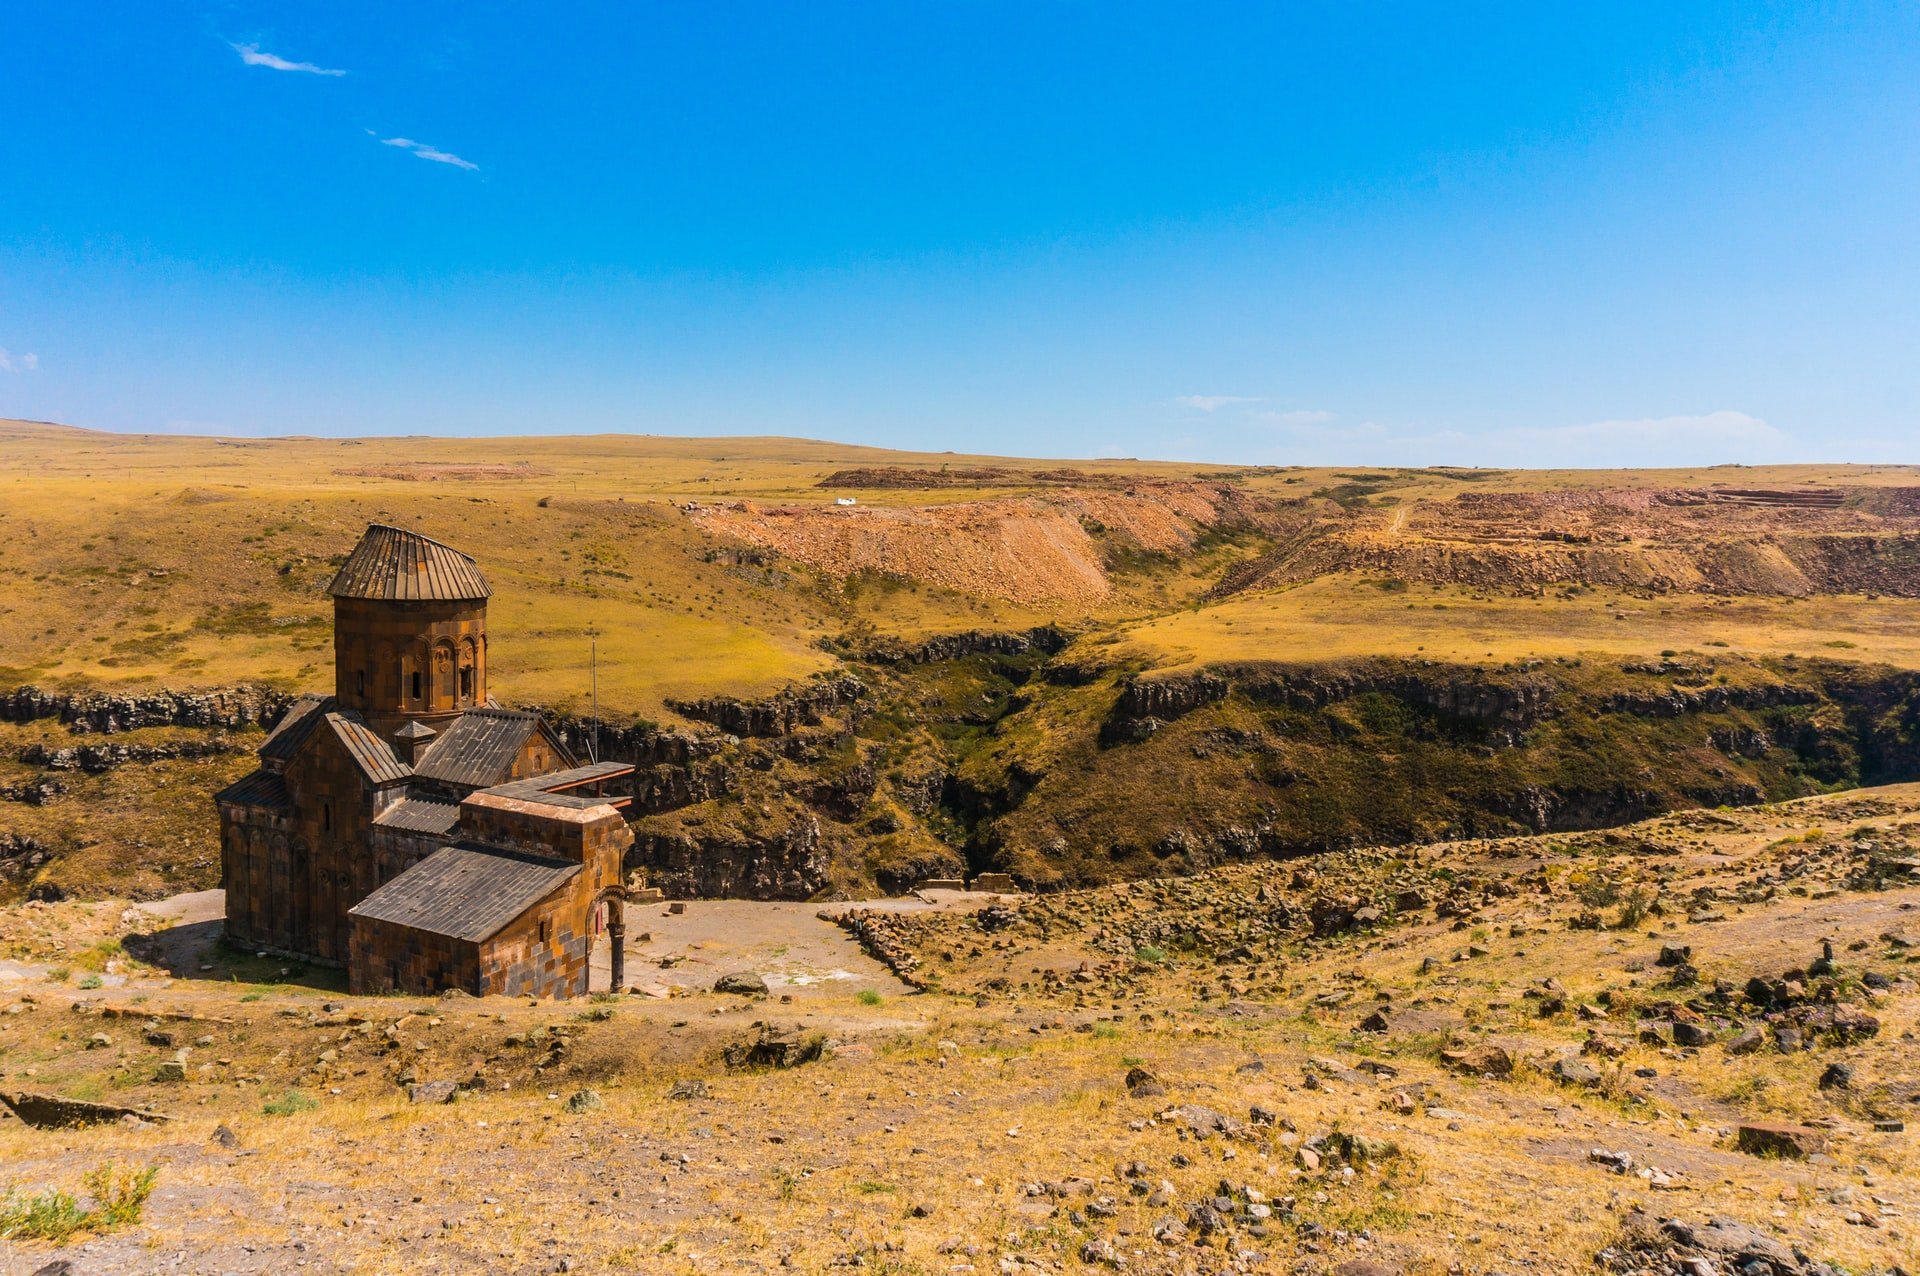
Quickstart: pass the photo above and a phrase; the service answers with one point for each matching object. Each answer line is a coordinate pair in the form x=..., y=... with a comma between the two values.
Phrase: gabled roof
x=397, y=565
x=467, y=891
x=261, y=788
x=553, y=788
x=477, y=749
x=374, y=756
x=295, y=725
x=419, y=815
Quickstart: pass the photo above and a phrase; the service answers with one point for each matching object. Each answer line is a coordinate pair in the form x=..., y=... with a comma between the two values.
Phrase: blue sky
x=1537, y=234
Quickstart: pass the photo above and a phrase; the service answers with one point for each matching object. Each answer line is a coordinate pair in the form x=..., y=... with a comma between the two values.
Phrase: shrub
x=868, y=997
x=119, y=1198
x=288, y=1104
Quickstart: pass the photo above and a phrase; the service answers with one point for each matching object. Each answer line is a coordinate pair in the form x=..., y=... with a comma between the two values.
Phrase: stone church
x=409, y=828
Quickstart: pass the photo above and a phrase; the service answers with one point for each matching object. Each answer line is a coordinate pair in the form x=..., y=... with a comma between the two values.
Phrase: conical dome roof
x=398, y=565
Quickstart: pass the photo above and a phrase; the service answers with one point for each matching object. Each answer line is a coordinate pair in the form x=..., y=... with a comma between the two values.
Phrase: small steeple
x=411, y=740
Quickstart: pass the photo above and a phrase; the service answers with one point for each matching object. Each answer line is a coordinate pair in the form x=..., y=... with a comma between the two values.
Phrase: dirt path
x=789, y=945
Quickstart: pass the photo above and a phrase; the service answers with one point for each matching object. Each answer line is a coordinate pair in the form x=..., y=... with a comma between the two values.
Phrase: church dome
x=396, y=565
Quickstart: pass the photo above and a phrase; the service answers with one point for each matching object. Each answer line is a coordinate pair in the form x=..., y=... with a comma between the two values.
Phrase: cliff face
x=1184, y=770
x=987, y=752
x=230, y=707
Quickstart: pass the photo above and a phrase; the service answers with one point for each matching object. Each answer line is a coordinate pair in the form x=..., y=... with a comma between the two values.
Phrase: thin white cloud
x=426, y=152
x=1295, y=417
x=1681, y=441
x=1211, y=402
x=27, y=362
x=253, y=55
x=1709, y=438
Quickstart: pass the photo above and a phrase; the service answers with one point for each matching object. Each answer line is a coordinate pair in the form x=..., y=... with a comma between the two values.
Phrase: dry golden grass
x=1337, y=617
x=143, y=560
x=913, y=1144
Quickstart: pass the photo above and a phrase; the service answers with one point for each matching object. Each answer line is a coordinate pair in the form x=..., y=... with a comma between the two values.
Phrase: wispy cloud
x=254, y=55
x=1295, y=417
x=27, y=362
x=426, y=152
x=1211, y=402
x=1702, y=439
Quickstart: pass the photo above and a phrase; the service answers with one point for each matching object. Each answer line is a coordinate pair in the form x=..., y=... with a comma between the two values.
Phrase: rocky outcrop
x=107, y=712
x=57, y=1112
x=1466, y=694
x=97, y=758
x=1168, y=696
x=21, y=854
x=1674, y=701
x=974, y=642
x=778, y=715
x=1680, y=1247
x=701, y=863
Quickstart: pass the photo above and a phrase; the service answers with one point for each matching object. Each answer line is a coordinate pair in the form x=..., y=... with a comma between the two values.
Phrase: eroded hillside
x=1073, y=672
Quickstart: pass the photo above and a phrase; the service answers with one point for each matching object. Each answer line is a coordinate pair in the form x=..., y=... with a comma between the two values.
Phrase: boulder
x=51, y=1112
x=743, y=983
x=1574, y=1072
x=1483, y=1060
x=1796, y=1142
x=432, y=1092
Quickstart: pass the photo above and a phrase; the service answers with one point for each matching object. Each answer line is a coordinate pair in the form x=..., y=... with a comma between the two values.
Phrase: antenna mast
x=593, y=675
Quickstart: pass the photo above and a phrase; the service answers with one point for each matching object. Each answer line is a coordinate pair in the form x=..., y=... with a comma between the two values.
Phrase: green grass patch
x=288, y=1104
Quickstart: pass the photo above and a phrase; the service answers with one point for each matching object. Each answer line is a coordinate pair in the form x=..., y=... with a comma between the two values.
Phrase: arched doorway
x=607, y=929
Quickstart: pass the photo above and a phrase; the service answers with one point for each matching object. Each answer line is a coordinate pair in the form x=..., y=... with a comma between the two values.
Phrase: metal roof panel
x=393, y=564
x=261, y=788
x=467, y=891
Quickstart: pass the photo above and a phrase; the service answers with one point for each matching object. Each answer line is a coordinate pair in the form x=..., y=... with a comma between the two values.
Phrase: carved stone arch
x=443, y=692
x=413, y=679
x=609, y=906
x=466, y=673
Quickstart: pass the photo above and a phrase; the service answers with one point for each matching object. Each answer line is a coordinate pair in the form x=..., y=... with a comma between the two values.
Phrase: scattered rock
x=774, y=1047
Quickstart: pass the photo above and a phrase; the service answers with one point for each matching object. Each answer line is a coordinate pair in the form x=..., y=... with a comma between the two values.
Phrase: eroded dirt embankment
x=1785, y=542
x=1052, y=547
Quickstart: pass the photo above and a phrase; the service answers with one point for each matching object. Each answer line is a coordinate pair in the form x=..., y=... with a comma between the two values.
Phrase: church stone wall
x=399, y=660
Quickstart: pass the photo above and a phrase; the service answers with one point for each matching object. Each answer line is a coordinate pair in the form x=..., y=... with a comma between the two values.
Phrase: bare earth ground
x=990, y=1125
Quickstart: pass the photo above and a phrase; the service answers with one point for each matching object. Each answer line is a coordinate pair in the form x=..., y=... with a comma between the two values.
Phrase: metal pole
x=593, y=665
